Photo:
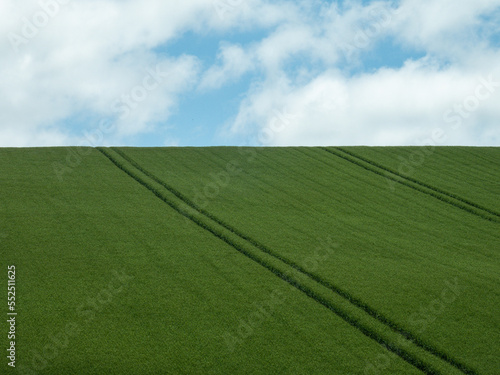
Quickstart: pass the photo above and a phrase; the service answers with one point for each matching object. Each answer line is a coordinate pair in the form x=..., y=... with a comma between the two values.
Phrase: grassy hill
x=253, y=260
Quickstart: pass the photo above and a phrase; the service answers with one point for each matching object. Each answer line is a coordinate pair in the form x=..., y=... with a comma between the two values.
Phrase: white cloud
x=62, y=59
x=91, y=59
x=66, y=60
x=400, y=106
x=432, y=24
x=390, y=107
x=234, y=62
x=326, y=35
x=249, y=14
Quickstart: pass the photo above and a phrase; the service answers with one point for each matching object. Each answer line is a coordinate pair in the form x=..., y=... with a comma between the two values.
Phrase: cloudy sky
x=249, y=72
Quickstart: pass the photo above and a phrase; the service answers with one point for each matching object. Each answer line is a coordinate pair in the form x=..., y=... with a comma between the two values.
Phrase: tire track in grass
x=403, y=354
x=401, y=180
x=374, y=313
x=429, y=186
x=296, y=267
x=464, y=203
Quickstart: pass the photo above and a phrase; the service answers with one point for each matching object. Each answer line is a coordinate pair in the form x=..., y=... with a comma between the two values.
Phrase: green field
x=252, y=260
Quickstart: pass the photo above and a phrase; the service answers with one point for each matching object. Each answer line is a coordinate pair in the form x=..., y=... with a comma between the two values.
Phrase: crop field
x=226, y=260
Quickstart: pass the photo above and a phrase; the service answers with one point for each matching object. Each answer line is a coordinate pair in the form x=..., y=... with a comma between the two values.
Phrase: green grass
x=371, y=271
x=468, y=172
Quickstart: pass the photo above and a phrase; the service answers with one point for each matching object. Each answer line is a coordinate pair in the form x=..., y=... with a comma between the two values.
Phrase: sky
x=249, y=73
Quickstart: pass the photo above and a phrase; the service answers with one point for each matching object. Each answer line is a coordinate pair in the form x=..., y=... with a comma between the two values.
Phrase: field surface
x=347, y=260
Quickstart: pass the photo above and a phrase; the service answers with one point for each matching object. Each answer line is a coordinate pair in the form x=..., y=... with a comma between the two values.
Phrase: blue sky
x=250, y=72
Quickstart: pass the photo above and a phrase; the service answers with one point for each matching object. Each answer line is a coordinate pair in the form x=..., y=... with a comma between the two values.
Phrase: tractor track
x=199, y=216
x=415, y=185
x=437, y=190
